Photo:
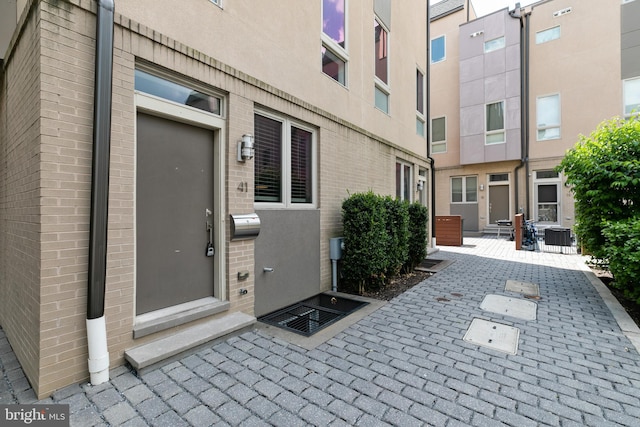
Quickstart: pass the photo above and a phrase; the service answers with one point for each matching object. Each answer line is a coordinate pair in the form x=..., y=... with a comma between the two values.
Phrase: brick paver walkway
x=405, y=364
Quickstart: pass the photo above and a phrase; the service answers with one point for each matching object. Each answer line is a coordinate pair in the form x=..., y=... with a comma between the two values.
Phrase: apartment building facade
x=237, y=130
x=513, y=92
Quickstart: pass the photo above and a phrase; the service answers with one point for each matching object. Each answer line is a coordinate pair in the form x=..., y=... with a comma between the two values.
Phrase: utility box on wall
x=449, y=230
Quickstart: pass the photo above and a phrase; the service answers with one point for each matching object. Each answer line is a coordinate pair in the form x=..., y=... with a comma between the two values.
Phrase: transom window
x=631, y=89
x=548, y=117
x=464, y=189
x=334, y=43
x=495, y=44
x=284, y=164
x=548, y=35
x=438, y=49
x=183, y=95
x=495, y=123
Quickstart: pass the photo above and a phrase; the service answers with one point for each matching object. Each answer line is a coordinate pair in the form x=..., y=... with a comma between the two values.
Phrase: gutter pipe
x=427, y=112
x=96, y=325
x=524, y=105
x=515, y=13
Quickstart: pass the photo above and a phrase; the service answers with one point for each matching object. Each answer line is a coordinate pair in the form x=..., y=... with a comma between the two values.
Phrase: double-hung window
x=495, y=123
x=284, y=161
x=464, y=189
x=438, y=49
x=420, y=117
x=334, y=45
x=381, y=58
x=631, y=89
x=548, y=117
x=439, y=135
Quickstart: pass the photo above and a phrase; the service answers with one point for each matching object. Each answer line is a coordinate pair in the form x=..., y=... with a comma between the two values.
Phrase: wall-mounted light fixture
x=245, y=148
x=477, y=33
x=420, y=185
x=481, y=187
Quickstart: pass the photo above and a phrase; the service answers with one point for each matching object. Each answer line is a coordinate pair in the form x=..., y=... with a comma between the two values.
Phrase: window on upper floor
x=404, y=180
x=548, y=117
x=495, y=44
x=420, y=118
x=464, y=189
x=334, y=43
x=439, y=135
x=548, y=35
x=494, y=123
x=381, y=58
x=284, y=162
x=631, y=89
x=438, y=49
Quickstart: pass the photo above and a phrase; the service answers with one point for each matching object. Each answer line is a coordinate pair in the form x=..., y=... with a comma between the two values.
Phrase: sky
x=483, y=7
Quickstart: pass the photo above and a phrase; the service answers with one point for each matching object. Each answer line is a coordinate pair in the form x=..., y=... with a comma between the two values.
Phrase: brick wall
x=46, y=181
x=19, y=200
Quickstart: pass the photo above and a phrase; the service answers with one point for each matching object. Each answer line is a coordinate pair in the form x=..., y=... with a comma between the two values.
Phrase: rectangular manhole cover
x=311, y=315
x=522, y=287
x=508, y=306
x=493, y=335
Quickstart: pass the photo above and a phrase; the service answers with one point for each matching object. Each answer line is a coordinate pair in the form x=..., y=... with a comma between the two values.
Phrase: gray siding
x=487, y=78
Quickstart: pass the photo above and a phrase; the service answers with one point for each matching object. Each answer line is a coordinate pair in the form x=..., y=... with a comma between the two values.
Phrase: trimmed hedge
x=382, y=236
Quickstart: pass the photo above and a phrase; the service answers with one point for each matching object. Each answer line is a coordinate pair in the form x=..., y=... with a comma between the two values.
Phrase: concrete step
x=149, y=354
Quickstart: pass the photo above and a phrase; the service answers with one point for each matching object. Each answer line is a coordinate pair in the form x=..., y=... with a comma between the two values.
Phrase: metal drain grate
x=311, y=315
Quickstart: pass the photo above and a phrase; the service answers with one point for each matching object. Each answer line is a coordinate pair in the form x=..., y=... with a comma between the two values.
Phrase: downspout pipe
x=96, y=325
x=427, y=112
x=527, y=26
x=516, y=14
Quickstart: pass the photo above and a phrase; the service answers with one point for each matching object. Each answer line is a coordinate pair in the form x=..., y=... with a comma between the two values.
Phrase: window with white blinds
x=284, y=161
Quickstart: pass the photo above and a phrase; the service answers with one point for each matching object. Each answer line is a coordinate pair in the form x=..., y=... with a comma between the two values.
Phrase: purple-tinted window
x=333, y=22
x=381, y=51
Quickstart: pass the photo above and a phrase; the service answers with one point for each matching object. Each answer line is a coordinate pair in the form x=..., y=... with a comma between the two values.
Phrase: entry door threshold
x=152, y=353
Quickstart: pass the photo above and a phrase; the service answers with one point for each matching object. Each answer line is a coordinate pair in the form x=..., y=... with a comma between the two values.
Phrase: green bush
x=622, y=250
x=382, y=236
x=603, y=171
x=366, y=240
x=398, y=230
x=418, y=221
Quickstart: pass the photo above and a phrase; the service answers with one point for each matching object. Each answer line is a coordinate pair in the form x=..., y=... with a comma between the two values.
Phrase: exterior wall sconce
x=420, y=185
x=481, y=187
x=245, y=148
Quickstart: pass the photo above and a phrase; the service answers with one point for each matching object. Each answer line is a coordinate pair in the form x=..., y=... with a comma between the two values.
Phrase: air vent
x=562, y=12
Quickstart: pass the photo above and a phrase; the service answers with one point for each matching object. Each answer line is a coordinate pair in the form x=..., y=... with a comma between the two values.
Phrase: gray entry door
x=174, y=190
x=498, y=203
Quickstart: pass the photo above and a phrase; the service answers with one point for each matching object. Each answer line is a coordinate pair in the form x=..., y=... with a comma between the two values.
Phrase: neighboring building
x=513, y=92
x=332, y=92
